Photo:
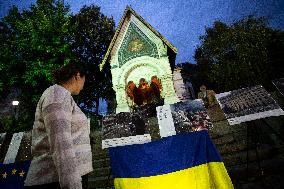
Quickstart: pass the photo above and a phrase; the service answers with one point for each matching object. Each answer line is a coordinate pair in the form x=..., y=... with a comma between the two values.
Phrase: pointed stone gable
x=129, y=23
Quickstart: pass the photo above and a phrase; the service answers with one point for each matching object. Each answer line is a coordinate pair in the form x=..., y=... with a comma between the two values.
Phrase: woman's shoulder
x=56, y=94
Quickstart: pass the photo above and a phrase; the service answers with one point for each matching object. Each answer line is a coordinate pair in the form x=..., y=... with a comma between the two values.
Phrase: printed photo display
x=181, y=117
x=248, y=104
x=123, y=129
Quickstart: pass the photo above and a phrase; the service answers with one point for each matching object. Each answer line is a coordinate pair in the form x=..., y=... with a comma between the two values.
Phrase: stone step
x=100, y=154
x=100, y=182
x=226, y=139
x=99, y=163
x=222, y=128
x=238, y=158
x=269, y=166
x=100, y=172
x=232, y=147
x=267, y=181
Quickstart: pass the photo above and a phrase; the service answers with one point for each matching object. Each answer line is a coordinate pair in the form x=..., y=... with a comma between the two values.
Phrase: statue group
x=144, y=94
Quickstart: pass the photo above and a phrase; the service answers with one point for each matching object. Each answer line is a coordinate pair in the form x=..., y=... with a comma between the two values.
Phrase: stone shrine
x=137, y=54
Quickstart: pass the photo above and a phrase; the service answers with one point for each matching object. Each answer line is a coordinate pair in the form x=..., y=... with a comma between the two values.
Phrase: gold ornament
x=135, y=45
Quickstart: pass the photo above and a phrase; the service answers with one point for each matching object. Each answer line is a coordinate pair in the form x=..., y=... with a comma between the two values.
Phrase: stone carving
x=145, y=93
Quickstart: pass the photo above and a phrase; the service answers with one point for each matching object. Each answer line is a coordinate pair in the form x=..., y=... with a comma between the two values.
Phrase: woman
x=60, y=137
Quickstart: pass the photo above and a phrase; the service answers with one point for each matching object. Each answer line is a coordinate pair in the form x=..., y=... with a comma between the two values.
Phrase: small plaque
x=165, y=121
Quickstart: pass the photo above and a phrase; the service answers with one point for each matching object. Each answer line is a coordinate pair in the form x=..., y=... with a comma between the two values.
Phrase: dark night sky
x=180, y=21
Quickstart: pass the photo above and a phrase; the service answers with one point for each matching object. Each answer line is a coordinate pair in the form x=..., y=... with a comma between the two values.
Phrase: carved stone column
x=121, y=99
x=169, y=93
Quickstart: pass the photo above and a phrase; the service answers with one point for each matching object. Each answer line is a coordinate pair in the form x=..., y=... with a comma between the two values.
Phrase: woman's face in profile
x=79, y=82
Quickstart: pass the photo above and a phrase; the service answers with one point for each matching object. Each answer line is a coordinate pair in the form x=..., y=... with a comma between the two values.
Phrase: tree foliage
x=33, y=44
x=39, y=40
x=240, y=54
x=94, y=32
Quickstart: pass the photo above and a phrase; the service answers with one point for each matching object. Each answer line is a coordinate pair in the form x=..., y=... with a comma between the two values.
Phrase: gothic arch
x=139, y=63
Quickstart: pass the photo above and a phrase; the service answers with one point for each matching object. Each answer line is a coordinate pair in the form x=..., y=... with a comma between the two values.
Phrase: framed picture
x=181, y=117
x=248, y=104
x=124, y=129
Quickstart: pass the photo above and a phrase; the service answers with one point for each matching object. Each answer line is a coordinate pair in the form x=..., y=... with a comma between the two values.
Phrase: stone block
x=232, y=148
x=226, y=139
x=101, y=172
x=100, y=163
x=222, y=128
x=100, y=182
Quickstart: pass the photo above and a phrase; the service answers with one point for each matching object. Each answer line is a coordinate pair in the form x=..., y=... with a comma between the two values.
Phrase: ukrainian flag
x=184, y=161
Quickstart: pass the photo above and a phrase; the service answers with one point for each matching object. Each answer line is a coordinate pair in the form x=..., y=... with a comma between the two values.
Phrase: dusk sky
x=181, y=22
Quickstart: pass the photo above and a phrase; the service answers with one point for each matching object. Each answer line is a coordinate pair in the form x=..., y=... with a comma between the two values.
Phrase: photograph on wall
x=182, y=117
x=248, y=104
x=279, y=84
x=124, y=129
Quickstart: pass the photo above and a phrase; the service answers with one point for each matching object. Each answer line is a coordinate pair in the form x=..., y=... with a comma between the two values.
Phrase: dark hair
x=65, y=73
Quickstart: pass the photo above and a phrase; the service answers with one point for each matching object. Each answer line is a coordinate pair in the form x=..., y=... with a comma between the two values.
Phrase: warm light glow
x=15, y=103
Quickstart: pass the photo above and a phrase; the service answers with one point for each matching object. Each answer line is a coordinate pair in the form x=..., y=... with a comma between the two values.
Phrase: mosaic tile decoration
x=136, y=44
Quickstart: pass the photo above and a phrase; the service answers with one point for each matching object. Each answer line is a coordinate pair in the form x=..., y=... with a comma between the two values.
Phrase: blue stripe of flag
x=167, y=155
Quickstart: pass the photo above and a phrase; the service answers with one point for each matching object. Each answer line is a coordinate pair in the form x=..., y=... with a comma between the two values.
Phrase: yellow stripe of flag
x=206, y=176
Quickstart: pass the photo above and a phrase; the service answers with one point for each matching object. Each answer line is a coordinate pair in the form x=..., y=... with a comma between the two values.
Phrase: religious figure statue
x=155, y=90
x=207, y=96
x=144, y=94
x=144, y=91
